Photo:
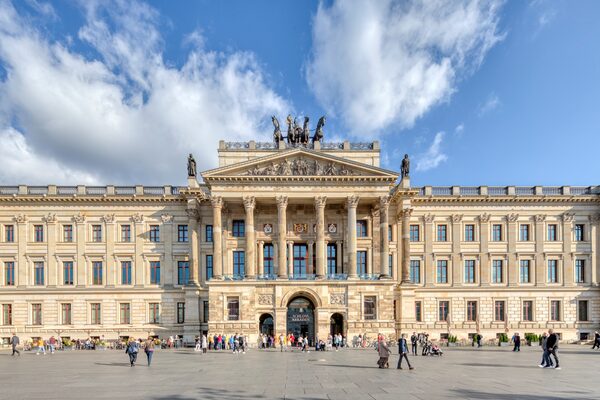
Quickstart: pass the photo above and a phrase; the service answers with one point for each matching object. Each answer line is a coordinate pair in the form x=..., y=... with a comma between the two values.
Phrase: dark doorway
x=336, y=324
x=301, y=318
x=266, y=324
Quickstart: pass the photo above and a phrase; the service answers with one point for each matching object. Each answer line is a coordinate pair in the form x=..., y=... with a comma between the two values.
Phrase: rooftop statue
x=296, y=134
x=191, y=166
x=405, y=167
x=277, y=136
x=319, y=131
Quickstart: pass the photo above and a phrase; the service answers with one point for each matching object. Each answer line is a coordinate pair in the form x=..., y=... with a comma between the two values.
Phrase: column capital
x=282, y=201
x=216, y=201
x=261, y=242
x=249, y=202
x=384, y=202
x=320, y=201
x=405, y=213
x=311, y=243
x=290, y=242
x=352, y=201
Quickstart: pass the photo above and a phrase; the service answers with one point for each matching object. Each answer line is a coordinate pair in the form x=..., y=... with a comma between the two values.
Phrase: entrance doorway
x=301, y=318
x=266, y=324
x=336, y=324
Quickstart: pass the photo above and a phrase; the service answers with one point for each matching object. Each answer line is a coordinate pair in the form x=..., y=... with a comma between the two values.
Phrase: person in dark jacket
x=517, y=342
x=546, y=362
x=596, y=341
x=403, y=351
x=413, y=341
x=14, y=341
x=132, y=351
x=552, y=347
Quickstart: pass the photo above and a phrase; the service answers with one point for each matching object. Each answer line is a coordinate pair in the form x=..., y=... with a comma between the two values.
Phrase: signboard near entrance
x=299, y=317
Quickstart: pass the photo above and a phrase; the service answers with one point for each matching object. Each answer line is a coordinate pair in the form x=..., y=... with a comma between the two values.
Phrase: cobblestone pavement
x=462, y=373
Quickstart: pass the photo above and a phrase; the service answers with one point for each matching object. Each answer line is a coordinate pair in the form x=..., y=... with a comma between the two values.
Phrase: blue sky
x=478, y=93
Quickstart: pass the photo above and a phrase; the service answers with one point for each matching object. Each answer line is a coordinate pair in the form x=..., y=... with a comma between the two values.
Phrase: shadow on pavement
x=477, y=395
x=497, y=365
x=114, y=364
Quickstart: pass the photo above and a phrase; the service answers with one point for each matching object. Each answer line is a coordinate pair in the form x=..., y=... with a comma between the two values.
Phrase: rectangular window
x=579, y=230
x=469, y=271
x=415, y=234
x=183, y=272
x=125, y=313
x=154, y=313
x=209, y=267
x=233, y=309
x=180, y=313
x=155, y=233
x=496, y=233
x=582, y=310
x=524, y=271
x=443, y=310
x=96, y=233
x=38, y=273
x=390, y=235
x=415, y=271
x=361, y=262
x=361, y=228
x=442, y=233
x=68, y=273
x=239, y=228
x=471, y=310
x=497, y=271
x=125, y=272
x=67, y=233
x=97, y=274
x=370, y=307
x=239, y=263
x=96, y=316
x=182, y=233
x=126, y=233
x=269, y=259
x=36, y=314
x=552, y=234
x=6, y=314
x=38, y=233
x=155, y=272
x=418, y=312
x=579, y=271
x=331, y=259
x=552, y=271
x=390, y=264
x=524, y=232
x=208, y=233
x=499, y=310
x=65, y=313
x=555, y=310
x=9, y=273
x=205, y=313
x=469, y=233
x=442, y=271
x=9, y=233
x=528, y=310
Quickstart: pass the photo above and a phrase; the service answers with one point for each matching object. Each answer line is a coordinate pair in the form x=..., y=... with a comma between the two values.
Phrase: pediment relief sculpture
x=301, y=167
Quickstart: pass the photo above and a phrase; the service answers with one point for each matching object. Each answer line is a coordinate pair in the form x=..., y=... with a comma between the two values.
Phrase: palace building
x=304, y=238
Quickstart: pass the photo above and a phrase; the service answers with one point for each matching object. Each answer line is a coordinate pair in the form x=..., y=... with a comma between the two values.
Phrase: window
x=442, y=233
x=38, y=273
x=182, y=233
x=68, y=273
x=555, y=310
x=239, y=263
x=361, y=228
x=471, y=310
x=496, y=233
x=154, y=313
x=6, y=314
x=415, y=235
x=65, y=313
x=528, y=310
x=125, y=313
x=579, y=231
x=96, y=233
x=183, y=272
x=9, y=233
x=233, y=309
x=155, y=233
x=269, y=259
x=97, y=273
x=239, y=228
x=524, y=232
x=552, y=271
x=582, y=310
x=205, y=313
x=418, y=313
x=180, y=313
x=67, y=233
x=9, y=273
x=125, y=272
x=497, y=271
x=390, y=264
x=552, y=236
x=370, y=307
x=524, y=271
x=38, y=233
x=442, y=271
x=443, y=310
x=499, y=311
x=579, y=271
x=331, y=259
x=96, y=316
x=155, y=272
x=361, y=262
x=469, y=233
x=415, y=271
x=126, y=233
x=390, y=235
x=209, y=266
x=469, y=271
x=36, y=314
x=208, y=233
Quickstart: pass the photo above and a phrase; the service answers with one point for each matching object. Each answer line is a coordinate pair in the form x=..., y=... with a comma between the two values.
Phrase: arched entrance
x=301, y=318
x=336, y=324
x=265, y=324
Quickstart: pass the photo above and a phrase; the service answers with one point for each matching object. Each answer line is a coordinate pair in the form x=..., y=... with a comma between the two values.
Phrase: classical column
x=261, y=257
x=290, y=258
x=568, y=261
x=249, y=204
x=195, y=254
x=217, y=206
x=282, y=202
x=539, y=277
x=52, y=272
x=338, y=256
x=352, y=204
x=320, y=209
x=406, y=245
x=384, y=259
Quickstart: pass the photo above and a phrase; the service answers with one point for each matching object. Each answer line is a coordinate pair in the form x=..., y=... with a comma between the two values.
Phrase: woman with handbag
x=149, y=349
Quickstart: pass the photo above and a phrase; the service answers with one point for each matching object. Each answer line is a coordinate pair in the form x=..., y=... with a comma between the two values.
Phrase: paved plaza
x=487, y=373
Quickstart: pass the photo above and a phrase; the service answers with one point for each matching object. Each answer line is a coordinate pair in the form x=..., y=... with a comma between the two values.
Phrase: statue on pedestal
x=191, y=166
x=405, y=167
x=319, y=131
x=277, y=136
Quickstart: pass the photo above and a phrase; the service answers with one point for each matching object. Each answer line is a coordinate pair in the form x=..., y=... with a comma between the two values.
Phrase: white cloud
x=459, y=130
x=375, y=64
x=434, y=156
x=127, y=116
x=491, y=103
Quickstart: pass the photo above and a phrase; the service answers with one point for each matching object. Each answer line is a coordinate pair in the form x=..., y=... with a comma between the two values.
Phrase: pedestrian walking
x=132, y=351
x=149, y=349
x=41, y=347
x=516, y=339
x=204, y=344
x=596, y=341
x=281, y=342
x=384, y=353
x=546, y=362
x=403, y=351
x=15, y=341
x=552, y=345
x=413, y=343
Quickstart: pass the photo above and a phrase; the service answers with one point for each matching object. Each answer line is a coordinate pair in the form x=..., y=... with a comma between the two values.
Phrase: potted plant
x=452, y=339
x=67, y=344
x=503, y=340
x=532, y=339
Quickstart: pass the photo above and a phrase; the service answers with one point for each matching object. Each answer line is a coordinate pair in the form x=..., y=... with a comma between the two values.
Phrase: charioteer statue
x=297, y=135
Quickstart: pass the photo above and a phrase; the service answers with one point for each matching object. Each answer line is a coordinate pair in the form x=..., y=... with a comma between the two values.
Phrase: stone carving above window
x=265, y=300
x=337, y=299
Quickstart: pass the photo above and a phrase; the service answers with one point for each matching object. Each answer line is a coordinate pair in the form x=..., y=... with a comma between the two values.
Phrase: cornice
x=506, y=199
x=90, y=199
